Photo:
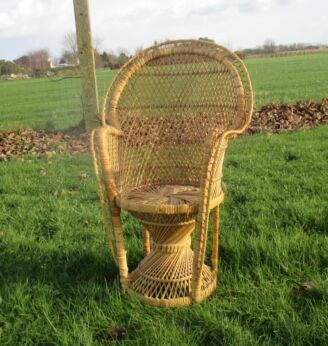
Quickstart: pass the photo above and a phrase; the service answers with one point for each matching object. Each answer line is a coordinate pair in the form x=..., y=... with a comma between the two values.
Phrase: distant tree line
x=104, y=59
x=270, y=47
x=38, y=63
x=112, y=60
x=35, y=64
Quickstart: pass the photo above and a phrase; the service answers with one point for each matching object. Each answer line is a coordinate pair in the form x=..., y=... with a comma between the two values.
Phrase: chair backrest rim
x=197, y=47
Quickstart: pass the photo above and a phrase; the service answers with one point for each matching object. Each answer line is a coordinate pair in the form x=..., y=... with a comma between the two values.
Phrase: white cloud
x=34, y=17
x=130, y=23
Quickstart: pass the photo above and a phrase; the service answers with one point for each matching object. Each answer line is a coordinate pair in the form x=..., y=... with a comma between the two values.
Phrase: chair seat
x=162, y=199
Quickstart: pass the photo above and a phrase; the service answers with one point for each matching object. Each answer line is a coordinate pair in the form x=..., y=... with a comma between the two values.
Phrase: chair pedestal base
x=163, y=278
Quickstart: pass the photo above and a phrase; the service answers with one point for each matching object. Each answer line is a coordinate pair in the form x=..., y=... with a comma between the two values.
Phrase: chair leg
x=146, y=238
x=216, y=235
x=199, y=256
x=121, y=252
x=197, y=294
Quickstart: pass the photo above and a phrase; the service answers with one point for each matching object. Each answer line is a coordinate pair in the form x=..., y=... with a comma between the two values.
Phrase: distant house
x=61, y=63
x=38, y=59
x=52, y=63
x=23, y=61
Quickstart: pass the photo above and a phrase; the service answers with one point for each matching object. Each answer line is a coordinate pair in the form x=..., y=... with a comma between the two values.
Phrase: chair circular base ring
x=176, y=302
x=163, y=278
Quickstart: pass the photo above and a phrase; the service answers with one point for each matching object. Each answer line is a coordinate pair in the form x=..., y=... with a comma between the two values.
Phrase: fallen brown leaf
x=83, y=176
x=271, y=118
x=304, y=287
x=117, y=333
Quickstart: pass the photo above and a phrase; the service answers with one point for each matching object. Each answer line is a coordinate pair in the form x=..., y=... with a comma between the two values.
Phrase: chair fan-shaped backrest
x=167, y=100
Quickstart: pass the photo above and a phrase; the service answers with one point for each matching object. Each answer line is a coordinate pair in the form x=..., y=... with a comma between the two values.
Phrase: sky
x=27, y=25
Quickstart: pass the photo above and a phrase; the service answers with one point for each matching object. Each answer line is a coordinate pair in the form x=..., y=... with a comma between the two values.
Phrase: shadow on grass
x=58, y=267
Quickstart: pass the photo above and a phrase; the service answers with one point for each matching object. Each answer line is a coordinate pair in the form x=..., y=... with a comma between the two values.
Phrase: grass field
x=289, y=79
x=58, y=285
x=41, y=103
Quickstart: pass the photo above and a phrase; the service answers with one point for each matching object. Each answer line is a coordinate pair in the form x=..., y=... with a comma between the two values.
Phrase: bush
x=8, y=67
x=241, y=55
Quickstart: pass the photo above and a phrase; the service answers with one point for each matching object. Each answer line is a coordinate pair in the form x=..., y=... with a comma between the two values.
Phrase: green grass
x=289, y=79
x=41, y=103
x=58, y=284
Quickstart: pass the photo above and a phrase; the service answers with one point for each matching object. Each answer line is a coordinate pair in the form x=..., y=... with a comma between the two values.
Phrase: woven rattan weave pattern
x=166, y=120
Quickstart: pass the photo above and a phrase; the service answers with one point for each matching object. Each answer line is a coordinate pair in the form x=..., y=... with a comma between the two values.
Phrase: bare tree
x=269, y=46
x=97, y=42
x=37, y=59
x=71, y=53
x=41, y=58
x=112, y=60
x=122, y=50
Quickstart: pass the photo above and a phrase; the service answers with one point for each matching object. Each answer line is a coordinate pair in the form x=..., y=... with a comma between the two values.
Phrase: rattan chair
x=166, y=120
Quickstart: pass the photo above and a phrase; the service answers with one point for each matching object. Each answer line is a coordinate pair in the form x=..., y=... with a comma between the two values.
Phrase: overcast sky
x=33, y=24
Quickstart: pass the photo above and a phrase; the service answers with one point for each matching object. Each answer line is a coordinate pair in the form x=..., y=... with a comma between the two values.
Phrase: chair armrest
x=102, y=141
x=109, y=130
x=211, y=174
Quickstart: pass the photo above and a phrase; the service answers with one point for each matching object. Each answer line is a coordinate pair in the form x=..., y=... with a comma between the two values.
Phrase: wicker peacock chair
x=166, y=120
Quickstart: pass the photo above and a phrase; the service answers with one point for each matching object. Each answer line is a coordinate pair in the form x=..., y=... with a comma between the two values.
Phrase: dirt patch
x=273, y=117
